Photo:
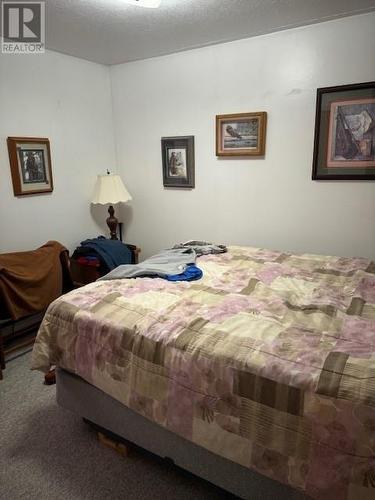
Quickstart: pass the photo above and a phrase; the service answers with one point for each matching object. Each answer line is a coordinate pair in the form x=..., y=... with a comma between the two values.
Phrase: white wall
x=269, y=202
x=67, y=100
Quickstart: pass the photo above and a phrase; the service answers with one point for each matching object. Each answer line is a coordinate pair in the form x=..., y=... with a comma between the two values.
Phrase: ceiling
x=111, y=31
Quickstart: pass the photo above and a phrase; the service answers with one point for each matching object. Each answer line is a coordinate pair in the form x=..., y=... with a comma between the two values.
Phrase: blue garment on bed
x=191, y=273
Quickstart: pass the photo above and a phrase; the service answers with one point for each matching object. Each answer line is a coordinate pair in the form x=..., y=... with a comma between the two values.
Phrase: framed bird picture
x=241, y=134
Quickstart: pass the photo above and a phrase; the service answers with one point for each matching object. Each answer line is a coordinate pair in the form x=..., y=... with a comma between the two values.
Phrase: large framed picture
x=241, y=134
x=30, y=165
x=344, y=146
x=178, y=161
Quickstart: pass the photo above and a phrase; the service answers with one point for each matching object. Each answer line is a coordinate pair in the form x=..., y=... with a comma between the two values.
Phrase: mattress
x=267, y=361
x=107, y=414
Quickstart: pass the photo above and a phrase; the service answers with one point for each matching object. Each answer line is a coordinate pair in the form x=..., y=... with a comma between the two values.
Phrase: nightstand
x=82, y=274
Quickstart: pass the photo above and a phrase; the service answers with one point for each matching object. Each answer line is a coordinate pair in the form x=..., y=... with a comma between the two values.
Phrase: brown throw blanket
x=30, y=281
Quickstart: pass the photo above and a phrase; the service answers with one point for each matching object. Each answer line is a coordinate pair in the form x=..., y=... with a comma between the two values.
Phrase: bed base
x=93, y=405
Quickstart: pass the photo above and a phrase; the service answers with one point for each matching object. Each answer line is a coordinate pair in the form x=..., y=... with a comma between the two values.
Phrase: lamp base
x=112, y=223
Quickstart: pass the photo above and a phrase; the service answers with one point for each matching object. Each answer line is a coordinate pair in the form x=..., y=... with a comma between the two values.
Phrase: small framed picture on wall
x=241, y=134
x=344, y=146
x=30, y=165
x=178, y=161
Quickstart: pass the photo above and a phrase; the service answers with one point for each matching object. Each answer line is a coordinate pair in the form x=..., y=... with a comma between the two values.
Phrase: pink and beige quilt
x=268, y=361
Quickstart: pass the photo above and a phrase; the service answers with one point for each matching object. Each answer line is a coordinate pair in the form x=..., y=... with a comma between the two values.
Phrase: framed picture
x=241, y=134
x=30, y=165
x=178, y=161
x=344, y=146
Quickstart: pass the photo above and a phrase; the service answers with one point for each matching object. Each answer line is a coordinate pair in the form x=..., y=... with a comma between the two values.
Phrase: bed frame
x=95, y=406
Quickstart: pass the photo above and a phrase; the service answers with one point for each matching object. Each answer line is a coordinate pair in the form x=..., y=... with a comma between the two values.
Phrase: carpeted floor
x=46, y=452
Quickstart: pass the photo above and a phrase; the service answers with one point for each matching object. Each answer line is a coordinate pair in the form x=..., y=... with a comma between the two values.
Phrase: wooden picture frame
x=344, y=141
x=178, y=161
x=241, y=134
x=30, y=165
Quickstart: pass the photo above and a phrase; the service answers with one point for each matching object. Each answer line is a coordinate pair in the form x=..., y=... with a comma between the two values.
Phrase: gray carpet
x=46, y=452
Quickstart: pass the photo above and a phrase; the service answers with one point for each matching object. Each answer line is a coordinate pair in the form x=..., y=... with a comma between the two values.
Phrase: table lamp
x=109, y=190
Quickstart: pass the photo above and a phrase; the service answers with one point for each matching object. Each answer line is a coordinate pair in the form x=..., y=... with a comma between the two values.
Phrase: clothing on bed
x=31, y=280
x=166, y=263
x=191, y=273
x=202, y=247
x=268, y=361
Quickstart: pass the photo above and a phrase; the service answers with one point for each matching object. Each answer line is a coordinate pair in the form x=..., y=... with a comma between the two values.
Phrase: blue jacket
x=112, y=252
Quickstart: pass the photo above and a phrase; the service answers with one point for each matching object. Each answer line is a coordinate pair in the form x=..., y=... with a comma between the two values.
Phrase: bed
x=263, y=368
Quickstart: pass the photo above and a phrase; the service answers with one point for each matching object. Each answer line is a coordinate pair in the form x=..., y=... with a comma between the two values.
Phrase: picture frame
x=241, y=134
x=30, y=165
x=344, y=139
x=178, y=161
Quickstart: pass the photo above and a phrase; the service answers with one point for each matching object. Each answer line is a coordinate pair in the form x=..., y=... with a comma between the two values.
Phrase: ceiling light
x=151, y=4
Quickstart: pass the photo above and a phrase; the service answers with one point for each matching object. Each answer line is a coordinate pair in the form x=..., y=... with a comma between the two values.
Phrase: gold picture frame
x=30, y=165
x=241, y=134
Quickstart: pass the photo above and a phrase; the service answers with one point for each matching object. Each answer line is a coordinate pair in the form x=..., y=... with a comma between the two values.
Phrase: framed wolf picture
x=344, y=147
x=30, y=165
x=178, y=161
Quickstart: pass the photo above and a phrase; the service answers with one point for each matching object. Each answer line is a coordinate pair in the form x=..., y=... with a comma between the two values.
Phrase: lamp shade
x=109, y=188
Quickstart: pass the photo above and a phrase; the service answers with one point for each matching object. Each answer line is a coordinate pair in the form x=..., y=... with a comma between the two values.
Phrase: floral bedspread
x=268, y=361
